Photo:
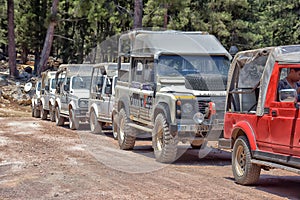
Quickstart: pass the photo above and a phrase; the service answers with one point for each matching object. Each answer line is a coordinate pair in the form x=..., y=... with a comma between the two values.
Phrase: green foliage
x=3, y=23
x=82, y=25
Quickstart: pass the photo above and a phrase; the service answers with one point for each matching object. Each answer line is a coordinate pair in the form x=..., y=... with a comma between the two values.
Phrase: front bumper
x=210, y=130
x=81, y=113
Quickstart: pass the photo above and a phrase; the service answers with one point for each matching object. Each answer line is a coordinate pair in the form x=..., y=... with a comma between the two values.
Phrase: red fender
x=247, y=129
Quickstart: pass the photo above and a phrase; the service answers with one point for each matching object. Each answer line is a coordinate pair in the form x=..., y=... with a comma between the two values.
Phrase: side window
x=67, y=84
x=97, y=81
x=251, y=72
x=149, y=71
x=137, y=71
x=108, y=86
x=287, y=92
x=60, y=79
x=47, y=84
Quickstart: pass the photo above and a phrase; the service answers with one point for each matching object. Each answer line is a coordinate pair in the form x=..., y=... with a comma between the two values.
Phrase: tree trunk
x=138, y=14
x=166, y=16
x=49, y=38
x=11, y=40
x=36, y=61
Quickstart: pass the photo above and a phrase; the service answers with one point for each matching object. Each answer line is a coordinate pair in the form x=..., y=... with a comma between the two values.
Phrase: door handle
x=274, y=113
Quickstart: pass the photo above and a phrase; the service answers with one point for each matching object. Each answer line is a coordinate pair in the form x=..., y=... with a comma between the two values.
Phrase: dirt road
x=41, y=161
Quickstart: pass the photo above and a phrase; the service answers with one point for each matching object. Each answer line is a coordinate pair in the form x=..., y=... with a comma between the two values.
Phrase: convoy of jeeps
x=182, y=87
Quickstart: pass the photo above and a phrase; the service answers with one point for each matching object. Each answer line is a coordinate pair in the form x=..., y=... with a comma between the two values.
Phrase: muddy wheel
x=115, y=127
x=196, y=144
x=126, y=136
x=94, y=124
x=35, y=111
x=245, y=173
x=164, y=144
x=44, y=113
x=52, y=113
x=59, y=120
x=32, y=111
x=73, y=120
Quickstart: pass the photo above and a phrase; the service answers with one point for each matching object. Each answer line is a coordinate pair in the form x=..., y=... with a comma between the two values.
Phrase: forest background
x=81, y=25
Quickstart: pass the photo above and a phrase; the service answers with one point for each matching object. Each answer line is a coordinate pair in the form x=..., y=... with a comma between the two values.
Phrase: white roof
x=172, y=42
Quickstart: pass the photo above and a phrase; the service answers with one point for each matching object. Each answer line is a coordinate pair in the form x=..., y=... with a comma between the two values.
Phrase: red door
x=282, y=126
x=296, y=139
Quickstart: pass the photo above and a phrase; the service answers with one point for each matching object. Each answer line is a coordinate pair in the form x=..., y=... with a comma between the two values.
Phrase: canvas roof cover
x=289, y=54
x=173, y=42
x=78, y=69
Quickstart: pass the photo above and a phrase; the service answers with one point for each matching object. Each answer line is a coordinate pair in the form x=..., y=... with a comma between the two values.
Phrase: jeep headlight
x=187, y=108
x=83, y=103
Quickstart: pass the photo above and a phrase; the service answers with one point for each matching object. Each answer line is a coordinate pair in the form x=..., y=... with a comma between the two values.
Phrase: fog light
x=198, y=118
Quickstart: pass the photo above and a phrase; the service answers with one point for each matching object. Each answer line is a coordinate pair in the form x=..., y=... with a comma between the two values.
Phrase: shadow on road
x=283, y=186
x=188, y=156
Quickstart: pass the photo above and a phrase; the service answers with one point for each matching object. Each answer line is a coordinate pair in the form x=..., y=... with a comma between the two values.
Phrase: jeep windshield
x=176, y=65
x=81, y=82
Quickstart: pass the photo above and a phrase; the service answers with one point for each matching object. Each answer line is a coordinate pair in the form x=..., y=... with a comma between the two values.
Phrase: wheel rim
x=56, y=115
x=115, y=128
x=92, y=122
x=122, y=122
x=71, y=118
x=115, y=133
x=240, y=160
x=159, y=138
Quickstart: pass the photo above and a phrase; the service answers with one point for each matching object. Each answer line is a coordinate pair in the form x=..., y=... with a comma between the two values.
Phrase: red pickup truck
x=262, y=120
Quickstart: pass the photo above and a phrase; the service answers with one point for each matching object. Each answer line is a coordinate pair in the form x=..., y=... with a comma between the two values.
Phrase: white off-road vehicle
x=35, y=100
x=175, y=89
x=102, y=92
x=72, y=93
x=48, y=95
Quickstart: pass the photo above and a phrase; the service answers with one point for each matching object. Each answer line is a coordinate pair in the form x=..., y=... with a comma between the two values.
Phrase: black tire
x=196, y=144
x=59, y=120
x=96, y=127
x=244, y=172
x=73, y=120
x=32, y=111
x=44, y=113
x=36, y=112
x=52, y=113
x=115, y=127
x=126, y=134
x=164, y=144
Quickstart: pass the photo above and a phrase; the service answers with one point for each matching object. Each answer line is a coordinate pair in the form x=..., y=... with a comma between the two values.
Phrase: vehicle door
x=96, y=88
x=65, y=93
x=147, y=90
x=47, y=91
x=135, y=88
x=282, y=121
x=106, y=98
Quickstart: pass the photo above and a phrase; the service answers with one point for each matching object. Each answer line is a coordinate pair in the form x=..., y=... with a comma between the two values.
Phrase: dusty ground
x=41, y=161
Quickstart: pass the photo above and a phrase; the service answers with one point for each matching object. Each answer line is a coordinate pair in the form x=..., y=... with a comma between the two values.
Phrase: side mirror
x=66, y=87
x=47, y=87
x=288, y=95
